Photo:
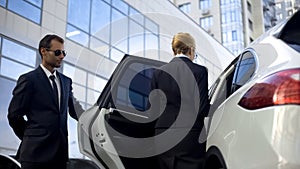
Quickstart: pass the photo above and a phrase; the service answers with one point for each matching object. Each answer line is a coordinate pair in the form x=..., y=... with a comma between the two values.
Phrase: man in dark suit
x=185, y=104
x=44, y=96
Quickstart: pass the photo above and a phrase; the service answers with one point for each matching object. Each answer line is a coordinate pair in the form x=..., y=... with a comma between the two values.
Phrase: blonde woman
x=185, y=88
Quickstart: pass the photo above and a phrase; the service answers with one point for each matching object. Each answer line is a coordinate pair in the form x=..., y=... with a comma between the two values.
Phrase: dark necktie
x=55, y=90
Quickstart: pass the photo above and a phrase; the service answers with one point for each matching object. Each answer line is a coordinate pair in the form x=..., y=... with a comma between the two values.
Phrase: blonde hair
x=182, y=43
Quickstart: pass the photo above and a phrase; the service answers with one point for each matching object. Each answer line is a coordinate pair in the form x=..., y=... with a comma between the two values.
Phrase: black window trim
x=252, y=51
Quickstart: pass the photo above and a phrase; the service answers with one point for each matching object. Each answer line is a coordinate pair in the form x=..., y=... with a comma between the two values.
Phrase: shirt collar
x=182, y=55
x=48, y=73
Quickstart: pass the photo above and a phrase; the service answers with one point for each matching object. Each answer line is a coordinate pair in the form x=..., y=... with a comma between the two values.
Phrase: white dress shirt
x=48, y=74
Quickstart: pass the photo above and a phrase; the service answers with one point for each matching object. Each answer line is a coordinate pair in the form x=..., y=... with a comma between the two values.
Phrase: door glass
x=244, y=71
x=134, y=87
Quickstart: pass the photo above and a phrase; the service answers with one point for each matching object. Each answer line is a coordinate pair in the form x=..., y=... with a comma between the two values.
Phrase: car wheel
x=214, y=159
x=7, y=162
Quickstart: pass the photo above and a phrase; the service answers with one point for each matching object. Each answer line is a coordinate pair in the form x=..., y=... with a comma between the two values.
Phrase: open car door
x=113, y=131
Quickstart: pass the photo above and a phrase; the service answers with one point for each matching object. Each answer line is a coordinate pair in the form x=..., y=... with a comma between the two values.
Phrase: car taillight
x=277, y=89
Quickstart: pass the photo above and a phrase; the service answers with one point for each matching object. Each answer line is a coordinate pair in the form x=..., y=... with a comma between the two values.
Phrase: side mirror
x=7, y=162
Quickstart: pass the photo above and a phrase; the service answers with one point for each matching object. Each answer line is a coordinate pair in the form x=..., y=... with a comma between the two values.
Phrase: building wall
x=257, y=16
x=253, y=12
x=94, y=47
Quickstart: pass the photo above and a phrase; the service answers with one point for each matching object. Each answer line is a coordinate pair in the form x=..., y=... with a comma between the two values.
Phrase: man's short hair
x=46, y=42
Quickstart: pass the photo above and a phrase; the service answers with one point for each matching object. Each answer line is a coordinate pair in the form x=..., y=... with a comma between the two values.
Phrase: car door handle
x=111, y=110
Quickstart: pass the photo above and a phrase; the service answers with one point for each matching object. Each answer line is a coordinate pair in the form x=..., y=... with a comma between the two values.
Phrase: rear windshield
x=290, y=34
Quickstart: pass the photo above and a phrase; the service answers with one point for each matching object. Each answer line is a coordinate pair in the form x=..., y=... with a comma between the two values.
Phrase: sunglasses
x=58, y=52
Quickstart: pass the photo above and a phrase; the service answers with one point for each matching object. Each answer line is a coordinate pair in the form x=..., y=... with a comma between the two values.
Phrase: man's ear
x=43, y=51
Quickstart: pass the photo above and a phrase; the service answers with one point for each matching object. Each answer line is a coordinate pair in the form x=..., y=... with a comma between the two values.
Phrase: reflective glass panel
x=19, y=52
x=151, y=41
x=10, y=141
x=77, y=35
x=119, y=35
x=79, y=14
x=12, y=69
x=37, y=3
x=136, y=39
x=116, y=55
x=151, y=26
x=100, y=20
x=137, y=16
x=186, y=7
x=79, y=92
x=96, y=83
x=3, y=3
x=92, y=96
x=77, y=74
x=25, y=9
x=99, y=46
x=120, y=5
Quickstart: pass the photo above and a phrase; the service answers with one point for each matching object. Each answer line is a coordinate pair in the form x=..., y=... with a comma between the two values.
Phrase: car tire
x=214, y=159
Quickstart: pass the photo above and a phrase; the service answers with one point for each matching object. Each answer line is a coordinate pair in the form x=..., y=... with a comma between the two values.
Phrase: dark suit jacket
x=185, y=86
x=44, y=136
x=180, y=80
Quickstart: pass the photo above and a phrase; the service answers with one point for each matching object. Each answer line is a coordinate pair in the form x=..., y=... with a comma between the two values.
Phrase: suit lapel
x=62, y=92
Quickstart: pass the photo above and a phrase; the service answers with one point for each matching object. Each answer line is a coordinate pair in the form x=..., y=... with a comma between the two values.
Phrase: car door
x=226, y=120
x=114, y=132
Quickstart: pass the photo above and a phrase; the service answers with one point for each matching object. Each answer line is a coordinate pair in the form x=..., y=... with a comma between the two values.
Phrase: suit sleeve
x=75, y=109
x=202, y=81
x=19, y=106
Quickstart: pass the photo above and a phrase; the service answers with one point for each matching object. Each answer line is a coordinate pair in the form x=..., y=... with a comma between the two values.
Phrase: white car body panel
x=264, y=138
x=98, y=134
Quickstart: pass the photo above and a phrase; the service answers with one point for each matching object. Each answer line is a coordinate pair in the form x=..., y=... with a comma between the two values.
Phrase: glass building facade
x=232, y=25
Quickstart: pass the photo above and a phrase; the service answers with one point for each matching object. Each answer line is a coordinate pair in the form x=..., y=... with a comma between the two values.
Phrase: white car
x=253, y=121
x=255, y=105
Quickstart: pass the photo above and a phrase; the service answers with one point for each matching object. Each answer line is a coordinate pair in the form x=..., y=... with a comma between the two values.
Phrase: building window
x=289, y=4
x=234, y=35
x=233, y=16
x=289, y=12
x=87, y=86
x=204, y=4
x=224, y=17
x=29, y=9
x=206, y=22
x=279, y=16
x=224, y=37
x=95, y=24
x=249, y=7
x=278, y=6
x=186, y=7
x=250, y=24
x=16, y=59
x=3, y=3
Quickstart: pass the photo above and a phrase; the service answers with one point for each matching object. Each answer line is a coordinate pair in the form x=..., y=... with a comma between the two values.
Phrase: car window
x=127, y=97
x=134, y=87
x=221, y=89
x=131, y=87
x=244, y=70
